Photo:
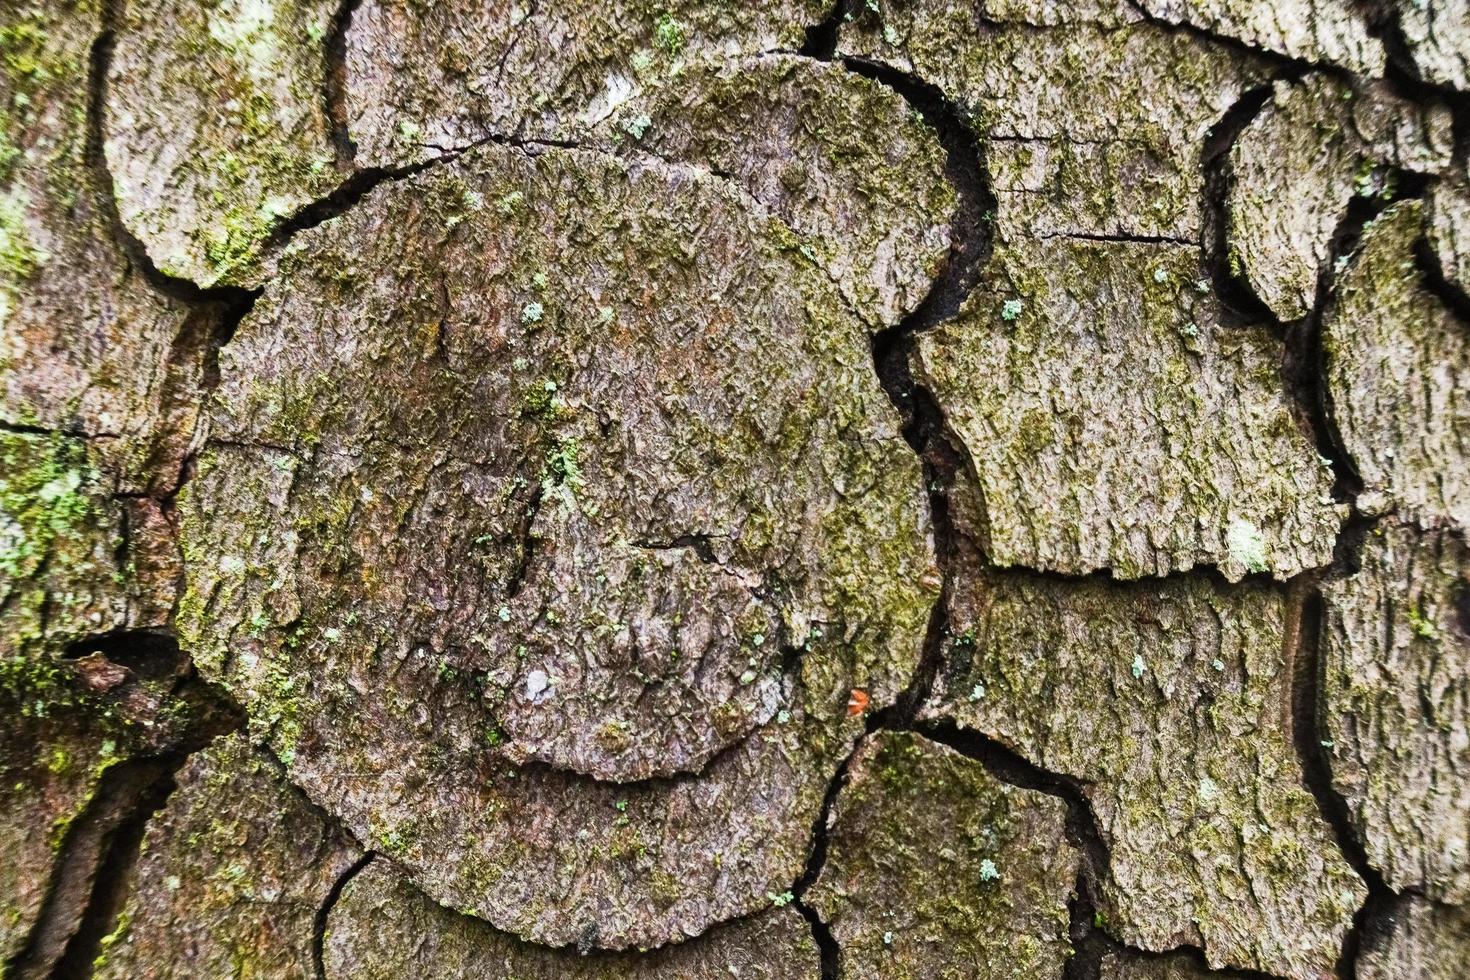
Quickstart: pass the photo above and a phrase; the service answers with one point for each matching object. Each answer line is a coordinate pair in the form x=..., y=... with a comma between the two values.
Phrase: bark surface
x=889, y=488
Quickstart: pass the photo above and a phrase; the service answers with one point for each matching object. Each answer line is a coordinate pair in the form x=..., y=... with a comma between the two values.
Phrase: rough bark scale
x=899, y=488
x=1169, y=705
x=937, y=869
x=1396, y=704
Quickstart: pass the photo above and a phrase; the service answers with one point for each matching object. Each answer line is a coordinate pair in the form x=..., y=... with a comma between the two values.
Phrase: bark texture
x=890, y=488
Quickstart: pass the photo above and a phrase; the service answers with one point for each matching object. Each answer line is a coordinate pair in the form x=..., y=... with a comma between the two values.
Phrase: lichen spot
x=1247, y=546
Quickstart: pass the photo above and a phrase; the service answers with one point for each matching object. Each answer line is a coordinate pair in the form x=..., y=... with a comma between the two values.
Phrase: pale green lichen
x=1247, y=546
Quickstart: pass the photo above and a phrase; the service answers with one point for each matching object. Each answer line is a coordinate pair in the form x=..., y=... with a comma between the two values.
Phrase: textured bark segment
x=68, y=733
x=232, y=873
x=1422, y=940
x=1398, y=378
x=1170, y=703
x=85, y=346
x=1396, y=707
x=1319, y=31
x=598, y=478
x=1435, y=33
x=1058, y=165
x=216, y=126
x=1316, y=146
x=382, y=927
x=61, y=576
x=427, y=76
x=840, y=158
x=936, y=869
x=1112, y=423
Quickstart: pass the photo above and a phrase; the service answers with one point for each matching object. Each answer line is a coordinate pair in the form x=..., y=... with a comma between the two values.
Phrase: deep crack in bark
x=324, y=911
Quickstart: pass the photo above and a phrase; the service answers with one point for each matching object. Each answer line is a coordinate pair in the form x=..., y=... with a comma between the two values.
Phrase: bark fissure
x=334, y=91
x=94, y=857
x=323, y=914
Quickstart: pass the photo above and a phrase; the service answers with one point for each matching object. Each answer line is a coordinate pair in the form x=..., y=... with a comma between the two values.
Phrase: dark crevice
x=1402, y=72
x=970, y=232
x=334, y=93
x=829, y=951
x=1089, y=943
x=922, y=420
x=91, y=855
x=324, y=913
x=1009, y=766
x=151, y=654
x=347, y=194
x=821, y=38
x=1304, y=366
x=1239, y=305
x=526, y=536
x=112, y=877
x=1431, y=271
x=1308, y=667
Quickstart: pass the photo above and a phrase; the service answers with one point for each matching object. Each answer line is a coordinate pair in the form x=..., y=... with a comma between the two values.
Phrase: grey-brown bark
x=897, y=489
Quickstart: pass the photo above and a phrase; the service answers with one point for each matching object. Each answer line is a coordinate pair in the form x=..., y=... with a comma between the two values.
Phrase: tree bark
x=893, y=489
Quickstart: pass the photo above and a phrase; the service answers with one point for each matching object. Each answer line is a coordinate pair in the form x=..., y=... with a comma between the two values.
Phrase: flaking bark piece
x=1421, y=940
x=937, y=869
x=1315, y=147
x=382, y=928
x=1398, y=378
x=843, y=160
x=1396, y=707
x=423, y=77
x=216, y=127
x=232, y=871
x=599, y=480
x=1112, y=423
x=1169, y=704
x=1087, y=128
x=1333, y=32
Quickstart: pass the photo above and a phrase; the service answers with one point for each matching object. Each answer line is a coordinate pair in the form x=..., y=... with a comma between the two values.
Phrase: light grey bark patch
x=1169, y=703
x=1395, y=704
x=1422, y=940
x=1398, y=378
x=1448, y=208
x=421, y=76
x=1087, y=130
x=599, y=480
x=382, y=927
x=1316, y=146
x=1436, y=32
x=1318, y=31
x=937, y=869
x=216, y=127
x=840, y=158
x=231, y=875
x=1112, y=423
